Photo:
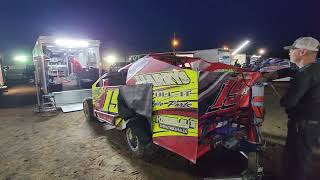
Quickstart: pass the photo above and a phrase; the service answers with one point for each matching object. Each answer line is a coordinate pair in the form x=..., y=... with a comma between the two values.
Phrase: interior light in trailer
x=70, y=43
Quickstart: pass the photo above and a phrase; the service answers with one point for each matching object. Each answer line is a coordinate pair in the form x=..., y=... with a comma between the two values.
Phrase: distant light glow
x=21, y=58
x=110, y=59
x=255, y=56
x=262, y=51
x=225, y=48
x=69, y=43
x=240, y=47
x=175, y=43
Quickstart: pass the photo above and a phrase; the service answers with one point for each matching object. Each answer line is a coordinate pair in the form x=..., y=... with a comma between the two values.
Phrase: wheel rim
x=86, y=110
x=132, y=140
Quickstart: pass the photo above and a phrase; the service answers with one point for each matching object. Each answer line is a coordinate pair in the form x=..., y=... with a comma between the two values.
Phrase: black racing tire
x=140, y=143
x=88, y=109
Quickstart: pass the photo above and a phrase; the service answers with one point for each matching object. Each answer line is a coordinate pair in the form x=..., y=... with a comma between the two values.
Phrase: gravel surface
x=65, y=146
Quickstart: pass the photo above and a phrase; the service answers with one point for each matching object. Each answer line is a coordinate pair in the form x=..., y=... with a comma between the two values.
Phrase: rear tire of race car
x=139, y=143
x=88, y=109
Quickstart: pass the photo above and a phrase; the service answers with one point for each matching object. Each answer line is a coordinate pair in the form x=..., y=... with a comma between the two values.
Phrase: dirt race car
x=186, y=105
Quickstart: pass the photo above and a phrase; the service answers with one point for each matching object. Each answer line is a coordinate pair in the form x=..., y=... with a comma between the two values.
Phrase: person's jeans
x=297, y=153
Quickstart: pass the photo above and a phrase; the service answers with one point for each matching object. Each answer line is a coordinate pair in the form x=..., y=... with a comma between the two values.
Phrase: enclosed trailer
x=65, y=69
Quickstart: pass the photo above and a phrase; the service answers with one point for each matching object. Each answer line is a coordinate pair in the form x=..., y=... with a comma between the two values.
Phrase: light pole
x=174, y=42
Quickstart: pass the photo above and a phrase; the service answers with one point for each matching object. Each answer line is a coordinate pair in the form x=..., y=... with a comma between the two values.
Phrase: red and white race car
x=186, y=105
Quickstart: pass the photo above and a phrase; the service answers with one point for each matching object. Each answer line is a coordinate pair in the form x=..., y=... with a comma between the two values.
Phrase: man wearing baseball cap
x=302, y=104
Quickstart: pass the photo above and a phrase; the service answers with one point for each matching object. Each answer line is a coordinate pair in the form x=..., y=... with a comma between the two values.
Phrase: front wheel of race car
x=137, y=143
x=88, y=109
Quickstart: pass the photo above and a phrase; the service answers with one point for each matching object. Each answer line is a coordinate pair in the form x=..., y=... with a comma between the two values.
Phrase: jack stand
x=253, y=172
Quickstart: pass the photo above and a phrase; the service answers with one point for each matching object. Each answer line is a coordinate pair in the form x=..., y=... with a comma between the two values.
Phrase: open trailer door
x=65, y=69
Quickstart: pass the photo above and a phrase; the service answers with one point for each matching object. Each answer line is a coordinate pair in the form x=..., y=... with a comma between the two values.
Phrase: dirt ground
x=65, y=146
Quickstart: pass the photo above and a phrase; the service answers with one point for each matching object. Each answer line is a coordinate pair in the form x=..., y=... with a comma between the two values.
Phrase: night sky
x=135, y=26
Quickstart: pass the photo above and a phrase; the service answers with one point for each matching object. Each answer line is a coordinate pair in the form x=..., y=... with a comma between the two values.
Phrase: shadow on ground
x=165, y=164
x=19, y=93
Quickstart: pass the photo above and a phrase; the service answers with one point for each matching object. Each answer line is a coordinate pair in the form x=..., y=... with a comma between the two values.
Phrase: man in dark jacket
x=302, y=104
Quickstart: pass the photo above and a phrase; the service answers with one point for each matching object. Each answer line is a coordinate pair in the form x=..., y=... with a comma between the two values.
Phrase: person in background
x=76, y=66
x=236, y=64
x=76, y=69
x=302, y=104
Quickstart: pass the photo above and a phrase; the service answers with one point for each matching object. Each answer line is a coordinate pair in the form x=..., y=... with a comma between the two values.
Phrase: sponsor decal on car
x=174, y=125
x=168, y=78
